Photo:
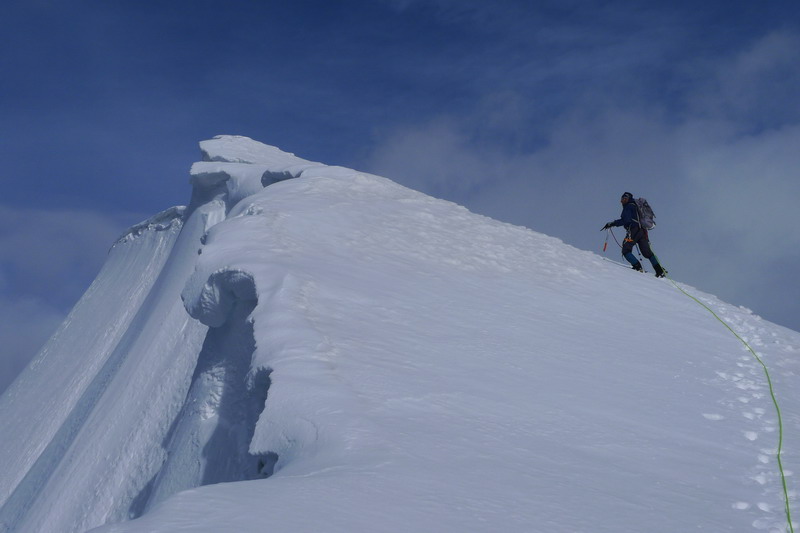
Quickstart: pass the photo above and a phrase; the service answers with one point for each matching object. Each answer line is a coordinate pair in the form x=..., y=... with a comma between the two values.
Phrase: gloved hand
x=609, y=225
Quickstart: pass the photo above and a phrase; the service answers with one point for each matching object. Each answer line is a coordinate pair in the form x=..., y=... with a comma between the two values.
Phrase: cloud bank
x=718, y=161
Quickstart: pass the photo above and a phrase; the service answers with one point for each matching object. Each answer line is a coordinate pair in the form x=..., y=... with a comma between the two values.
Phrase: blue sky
x=536, y=113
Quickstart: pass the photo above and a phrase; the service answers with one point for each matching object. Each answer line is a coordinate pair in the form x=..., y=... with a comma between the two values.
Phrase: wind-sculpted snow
x=325, y=350
x=238, y=149
x=217, y=297
x=241, y=167
x=52, y=399
x=239, y=180
x=128, y=369
x=170, y=218
x=209, y=440
x=292, y=422
x=454, y=372
x=100, y=458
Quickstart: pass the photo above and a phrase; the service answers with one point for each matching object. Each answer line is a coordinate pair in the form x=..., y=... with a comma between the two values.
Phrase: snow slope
x=362, y=357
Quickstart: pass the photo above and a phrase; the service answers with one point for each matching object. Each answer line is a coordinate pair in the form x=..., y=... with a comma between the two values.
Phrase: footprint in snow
x=746, y=384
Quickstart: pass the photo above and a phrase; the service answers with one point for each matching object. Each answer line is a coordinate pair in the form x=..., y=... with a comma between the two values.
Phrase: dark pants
x=638, y=236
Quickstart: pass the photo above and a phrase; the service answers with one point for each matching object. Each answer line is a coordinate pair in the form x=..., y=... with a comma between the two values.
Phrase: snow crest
x=218, y=296
x=129, y=365
x=312, y=348
x=170, y=218
x=52, y=404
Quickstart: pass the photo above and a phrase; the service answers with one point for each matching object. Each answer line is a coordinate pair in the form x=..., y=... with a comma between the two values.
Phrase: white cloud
x=749, y=185
x=757, y=87
x=435, y=158
x=723, y=185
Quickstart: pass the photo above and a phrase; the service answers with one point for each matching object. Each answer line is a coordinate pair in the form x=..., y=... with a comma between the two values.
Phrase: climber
x=636, y=235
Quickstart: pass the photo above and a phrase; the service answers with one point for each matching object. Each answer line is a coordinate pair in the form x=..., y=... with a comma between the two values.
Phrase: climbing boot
x=660, y=272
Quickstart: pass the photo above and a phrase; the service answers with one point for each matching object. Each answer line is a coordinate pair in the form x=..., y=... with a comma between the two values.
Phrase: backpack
x=646, y=215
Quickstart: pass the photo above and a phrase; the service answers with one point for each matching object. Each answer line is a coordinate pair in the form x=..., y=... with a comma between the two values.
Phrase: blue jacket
x=629, y=218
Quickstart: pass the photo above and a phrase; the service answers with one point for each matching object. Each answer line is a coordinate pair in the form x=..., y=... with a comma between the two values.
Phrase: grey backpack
x=646, y=215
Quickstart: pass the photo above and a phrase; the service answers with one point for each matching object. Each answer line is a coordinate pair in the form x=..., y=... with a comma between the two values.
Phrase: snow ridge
x=169, y=218
x=312, y=348
x=131, y=396
x=47, y=424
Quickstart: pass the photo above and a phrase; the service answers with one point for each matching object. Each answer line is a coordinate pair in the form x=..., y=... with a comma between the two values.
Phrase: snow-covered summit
x=239, y=149
x=315, y=348
x=243, y=166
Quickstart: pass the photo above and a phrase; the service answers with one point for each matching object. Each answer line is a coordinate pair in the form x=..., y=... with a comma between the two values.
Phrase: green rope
x=771, y=392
